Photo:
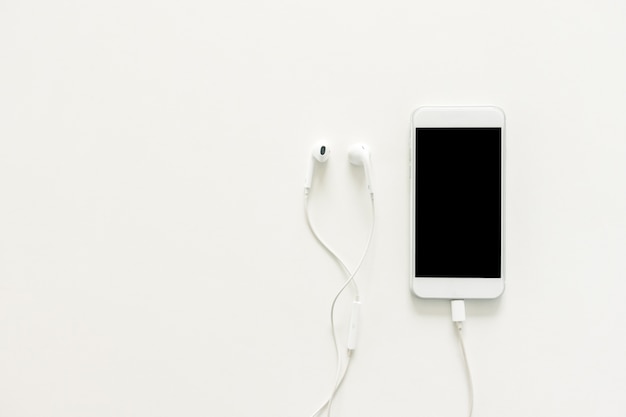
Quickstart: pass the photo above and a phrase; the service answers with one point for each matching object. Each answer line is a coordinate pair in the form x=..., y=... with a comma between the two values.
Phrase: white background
x=154, y=258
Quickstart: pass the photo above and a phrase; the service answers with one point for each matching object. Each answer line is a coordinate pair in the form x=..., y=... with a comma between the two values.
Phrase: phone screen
x=458, y=198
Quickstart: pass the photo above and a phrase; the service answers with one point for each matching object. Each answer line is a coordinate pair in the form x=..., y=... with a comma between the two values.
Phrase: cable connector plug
x=458, y=312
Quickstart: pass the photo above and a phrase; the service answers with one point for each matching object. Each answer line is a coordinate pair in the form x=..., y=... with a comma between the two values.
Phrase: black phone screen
x=458, y=197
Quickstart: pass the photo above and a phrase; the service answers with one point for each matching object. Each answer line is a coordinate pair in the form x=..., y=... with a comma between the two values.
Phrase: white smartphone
x=457, y=202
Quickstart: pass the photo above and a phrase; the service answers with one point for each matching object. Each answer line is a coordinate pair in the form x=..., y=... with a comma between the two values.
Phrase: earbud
x=319, y=153
x=359, y=155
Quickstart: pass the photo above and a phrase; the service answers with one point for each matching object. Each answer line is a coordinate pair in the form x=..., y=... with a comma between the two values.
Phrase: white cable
x=339, y=375
x=338, y=383
x=351, y=280
x=324, y=245
x=458, y=317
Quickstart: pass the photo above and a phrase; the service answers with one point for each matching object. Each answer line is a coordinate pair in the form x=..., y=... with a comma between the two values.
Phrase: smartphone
x=457, y=202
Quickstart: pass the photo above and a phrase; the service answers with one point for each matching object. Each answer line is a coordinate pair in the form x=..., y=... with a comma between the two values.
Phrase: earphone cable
x=338, y=382
x=340, y=376
x=345, y=285
x=328, y=249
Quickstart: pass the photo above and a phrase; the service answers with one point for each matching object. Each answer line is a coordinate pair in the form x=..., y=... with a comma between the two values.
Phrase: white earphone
x=358, y=154
x=319, y=153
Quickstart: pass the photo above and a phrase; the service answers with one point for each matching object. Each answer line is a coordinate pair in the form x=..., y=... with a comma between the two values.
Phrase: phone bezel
x=457, y=288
